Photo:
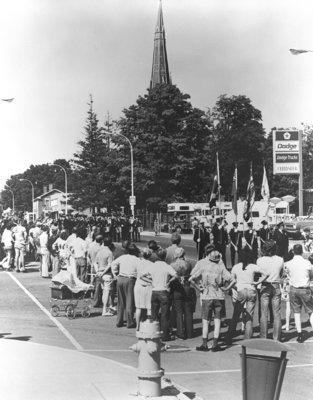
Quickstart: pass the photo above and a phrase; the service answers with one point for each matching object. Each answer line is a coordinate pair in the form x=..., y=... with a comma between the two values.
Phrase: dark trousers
x=233, y=253
x=125, y=300
x=160, y=300
x=97, y=296
x=183, y=308
x=81, y=269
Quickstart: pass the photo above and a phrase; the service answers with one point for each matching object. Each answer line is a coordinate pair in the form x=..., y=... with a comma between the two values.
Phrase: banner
x=265, y=190
x=234, y=192
x=247, y=212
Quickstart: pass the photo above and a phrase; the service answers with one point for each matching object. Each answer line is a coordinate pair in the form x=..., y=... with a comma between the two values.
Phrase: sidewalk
x=31, y=371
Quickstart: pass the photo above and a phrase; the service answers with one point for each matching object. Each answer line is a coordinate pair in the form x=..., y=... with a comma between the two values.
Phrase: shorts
x=107, y=282
x=210, y=306
x=301, y=297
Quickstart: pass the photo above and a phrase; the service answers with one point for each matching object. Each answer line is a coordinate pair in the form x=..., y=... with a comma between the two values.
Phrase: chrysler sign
x=286, y=152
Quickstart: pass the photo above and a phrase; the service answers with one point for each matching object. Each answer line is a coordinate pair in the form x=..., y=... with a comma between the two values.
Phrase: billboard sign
x=287, y=149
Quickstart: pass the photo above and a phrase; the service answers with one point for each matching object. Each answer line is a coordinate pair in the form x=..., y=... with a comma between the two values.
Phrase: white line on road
x=54, y=320
x=225, y=371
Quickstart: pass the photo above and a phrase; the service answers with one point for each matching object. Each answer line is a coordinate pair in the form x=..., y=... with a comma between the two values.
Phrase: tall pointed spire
x=160, y=72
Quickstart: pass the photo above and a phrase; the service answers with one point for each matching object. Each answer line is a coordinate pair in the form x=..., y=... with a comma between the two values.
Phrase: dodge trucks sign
x=286, y=152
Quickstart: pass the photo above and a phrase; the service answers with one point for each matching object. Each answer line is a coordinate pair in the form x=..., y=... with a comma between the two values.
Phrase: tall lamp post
x=10, y=190
x=132, y=198
x=296, y=52
x=27, y=180
x=65, y=175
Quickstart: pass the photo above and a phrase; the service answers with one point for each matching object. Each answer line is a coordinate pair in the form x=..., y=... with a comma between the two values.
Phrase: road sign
x=286, y=152
x=132, y=200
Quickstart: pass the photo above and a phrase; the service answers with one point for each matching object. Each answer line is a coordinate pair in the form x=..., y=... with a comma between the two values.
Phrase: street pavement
x=89, y=358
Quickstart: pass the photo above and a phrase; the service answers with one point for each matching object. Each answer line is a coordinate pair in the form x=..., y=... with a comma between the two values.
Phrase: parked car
x=295, y=227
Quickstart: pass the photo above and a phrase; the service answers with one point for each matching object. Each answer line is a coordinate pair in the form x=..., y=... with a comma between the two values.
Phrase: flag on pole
x=8, y=100
x=296, y=52
x=265, y=190
x=234, y=192
x=214, y=193
x=249, y=199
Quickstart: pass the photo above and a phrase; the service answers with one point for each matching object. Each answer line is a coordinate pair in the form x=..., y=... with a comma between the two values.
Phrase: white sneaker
x=107, y=314
x=113, y=308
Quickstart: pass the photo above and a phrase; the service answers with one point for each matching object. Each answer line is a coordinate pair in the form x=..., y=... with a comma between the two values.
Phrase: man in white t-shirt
x=300, y=272
x=270, y=292
x=20, y=236
x=78, y=249
x=162, y=275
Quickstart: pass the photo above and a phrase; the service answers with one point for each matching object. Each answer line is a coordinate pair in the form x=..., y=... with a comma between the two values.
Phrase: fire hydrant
x=149, y=371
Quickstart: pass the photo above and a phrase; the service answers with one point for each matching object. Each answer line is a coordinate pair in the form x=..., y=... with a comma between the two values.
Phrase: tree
x=239, y=138
x=171, y=141
x=89, y=166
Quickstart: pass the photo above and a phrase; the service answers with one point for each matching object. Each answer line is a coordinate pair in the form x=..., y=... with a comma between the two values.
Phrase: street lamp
x=132, y=199
x=65, y=175
x=27, y=180
x=10, y=190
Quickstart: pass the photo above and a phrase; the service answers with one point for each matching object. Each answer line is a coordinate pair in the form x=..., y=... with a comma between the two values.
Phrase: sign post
x=287, y=157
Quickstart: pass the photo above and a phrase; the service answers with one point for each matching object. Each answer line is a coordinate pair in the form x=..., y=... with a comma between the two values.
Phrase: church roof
x=160, y=72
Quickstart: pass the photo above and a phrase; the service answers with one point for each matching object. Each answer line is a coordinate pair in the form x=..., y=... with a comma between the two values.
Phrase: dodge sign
x=286, y=152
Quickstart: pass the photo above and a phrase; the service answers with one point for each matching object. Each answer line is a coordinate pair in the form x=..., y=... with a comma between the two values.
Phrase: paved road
x=24, y=315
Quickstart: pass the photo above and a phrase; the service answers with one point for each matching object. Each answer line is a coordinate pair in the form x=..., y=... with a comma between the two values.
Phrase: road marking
x=226, y=371
x=54, y=320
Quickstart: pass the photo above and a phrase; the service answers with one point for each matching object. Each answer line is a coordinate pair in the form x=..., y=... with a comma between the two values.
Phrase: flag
x=234, y=192
x=265, y=190
x=296, y=52
x=214, y=192
x=249, y=199
x=8, y=100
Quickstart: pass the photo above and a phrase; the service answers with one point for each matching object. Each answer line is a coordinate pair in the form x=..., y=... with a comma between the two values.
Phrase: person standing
x=282, y=241
x=7, y=241
x=300, y=272
x=170, y=251
x=202, y=238
x=78, y=249
x=264, y=233
x=44, y=252
x=212, y=273
x=125, y=269
x=183, y=295
x=161, y=276
x=220, y=238
x=235, y=237
x=54, y=259
x=244, y=275
x=270, y=293
x=251, y=238
x=104, y=275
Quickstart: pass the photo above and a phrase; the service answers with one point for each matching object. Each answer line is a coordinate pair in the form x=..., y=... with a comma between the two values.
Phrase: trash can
x=262, y=375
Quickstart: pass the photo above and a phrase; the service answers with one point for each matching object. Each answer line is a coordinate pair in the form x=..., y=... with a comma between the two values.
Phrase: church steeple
x=160, y=72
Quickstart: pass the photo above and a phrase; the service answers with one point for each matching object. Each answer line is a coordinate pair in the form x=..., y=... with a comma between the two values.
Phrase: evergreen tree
x=171, y=142
x=239, y=138
x=89, y=166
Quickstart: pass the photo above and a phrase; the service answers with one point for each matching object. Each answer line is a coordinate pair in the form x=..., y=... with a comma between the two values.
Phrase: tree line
x=174, y=153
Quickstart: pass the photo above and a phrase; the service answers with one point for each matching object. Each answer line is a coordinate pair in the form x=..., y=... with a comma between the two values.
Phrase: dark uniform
x=282, y=242
x=220, y=239
x=202, y=238
x=235, y=243
x=264, y=233
x=252, y=240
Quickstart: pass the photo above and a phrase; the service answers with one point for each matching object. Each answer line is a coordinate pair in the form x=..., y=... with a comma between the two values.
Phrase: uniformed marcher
x=202, y=238
x=252, y=240
x=264, y=233
x=220, y=238
x=282, y=241
x=235, y=243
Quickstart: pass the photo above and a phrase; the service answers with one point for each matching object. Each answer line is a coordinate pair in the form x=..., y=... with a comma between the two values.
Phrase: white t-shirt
x=7, y=238
x=300, y=271
x=160, y=273
x=245, y=278
x=272, y=266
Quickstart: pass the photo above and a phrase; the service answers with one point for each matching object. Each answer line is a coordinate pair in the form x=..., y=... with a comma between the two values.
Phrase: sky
x=54, y=54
